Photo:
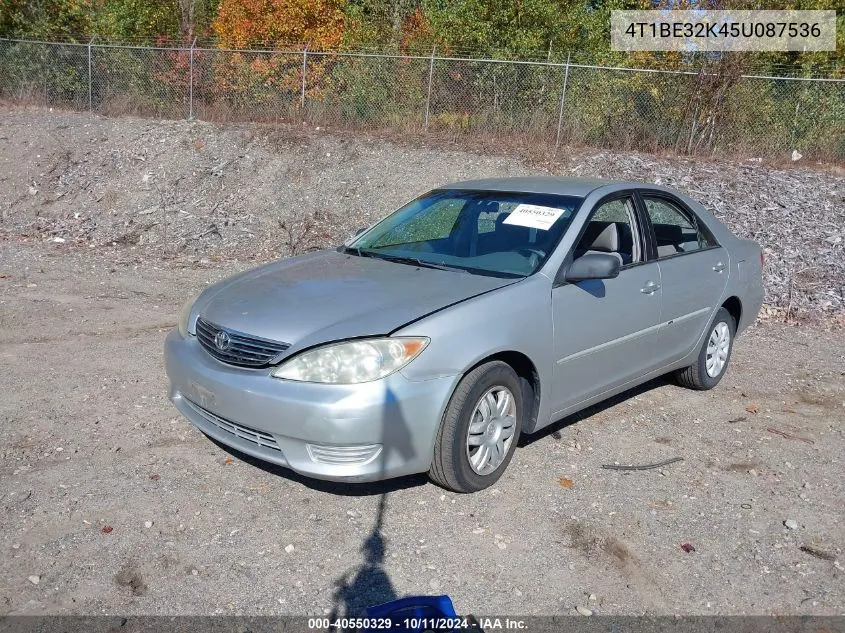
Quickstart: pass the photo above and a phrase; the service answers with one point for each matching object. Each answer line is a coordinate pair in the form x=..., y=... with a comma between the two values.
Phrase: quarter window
x=674, y=230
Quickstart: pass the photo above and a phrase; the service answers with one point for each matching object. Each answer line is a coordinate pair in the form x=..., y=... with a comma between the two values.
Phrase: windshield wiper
x=349, y=250
x=414, y=261
x=399, y=259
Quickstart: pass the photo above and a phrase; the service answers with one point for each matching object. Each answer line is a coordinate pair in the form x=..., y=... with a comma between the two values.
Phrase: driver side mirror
x=593, y=266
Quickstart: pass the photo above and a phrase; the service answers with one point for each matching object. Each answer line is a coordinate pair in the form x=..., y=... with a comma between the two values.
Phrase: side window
x=613, y=229
x=435, y=223
x=673, y=228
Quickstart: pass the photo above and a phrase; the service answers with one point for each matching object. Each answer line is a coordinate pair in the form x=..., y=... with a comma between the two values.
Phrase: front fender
x=516, y=318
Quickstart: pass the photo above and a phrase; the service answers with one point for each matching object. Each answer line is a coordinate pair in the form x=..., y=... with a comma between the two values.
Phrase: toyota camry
x=482, y=310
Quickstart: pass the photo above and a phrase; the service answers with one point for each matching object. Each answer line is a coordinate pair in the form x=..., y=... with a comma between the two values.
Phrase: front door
x=605, y=330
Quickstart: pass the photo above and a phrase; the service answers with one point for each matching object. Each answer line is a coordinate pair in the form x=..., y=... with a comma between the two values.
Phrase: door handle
x=719, y=267
x=650, y=288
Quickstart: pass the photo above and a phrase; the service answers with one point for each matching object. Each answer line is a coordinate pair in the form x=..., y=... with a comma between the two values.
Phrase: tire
x=457, y=464
x=698, y=376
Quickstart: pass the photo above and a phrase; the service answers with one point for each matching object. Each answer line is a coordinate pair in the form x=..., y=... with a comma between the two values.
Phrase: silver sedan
x=479, y=311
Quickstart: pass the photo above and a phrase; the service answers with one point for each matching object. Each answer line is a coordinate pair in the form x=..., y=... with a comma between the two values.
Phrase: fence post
x=90, y=77
x=562, y=101
x=430, y=77
x=304, y=67
x=191, y=81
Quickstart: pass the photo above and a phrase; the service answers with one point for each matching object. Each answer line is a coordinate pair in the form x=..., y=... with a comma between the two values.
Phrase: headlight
x=185, y=315
x=353, y=361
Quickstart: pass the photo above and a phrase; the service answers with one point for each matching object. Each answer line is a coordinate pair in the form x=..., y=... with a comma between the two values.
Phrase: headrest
x=488, y=206
x=607, y=240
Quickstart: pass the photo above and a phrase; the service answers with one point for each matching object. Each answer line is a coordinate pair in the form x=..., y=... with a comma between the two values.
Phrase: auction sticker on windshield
x=534, y=216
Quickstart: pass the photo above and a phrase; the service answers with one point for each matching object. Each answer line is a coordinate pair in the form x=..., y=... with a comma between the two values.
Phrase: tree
x=319, y=23
x=132, y=20
x=380, y=23
x=196, y=17
x=45, y=19
x=523, y=28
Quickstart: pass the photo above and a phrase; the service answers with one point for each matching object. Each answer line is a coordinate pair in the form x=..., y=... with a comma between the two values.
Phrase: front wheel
x=714, y=356
x=480, y=429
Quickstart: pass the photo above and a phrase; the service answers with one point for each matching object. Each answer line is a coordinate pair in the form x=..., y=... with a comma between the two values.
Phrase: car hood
x=329, y=296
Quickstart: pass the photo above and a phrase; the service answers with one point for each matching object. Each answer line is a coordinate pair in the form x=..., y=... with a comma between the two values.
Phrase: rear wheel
x=480, y=429
x=714, y=356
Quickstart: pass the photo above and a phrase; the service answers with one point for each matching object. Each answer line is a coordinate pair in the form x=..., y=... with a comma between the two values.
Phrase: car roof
x=580, y=187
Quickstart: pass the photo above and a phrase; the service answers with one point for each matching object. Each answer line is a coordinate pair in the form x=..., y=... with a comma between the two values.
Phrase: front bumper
x=365, y=432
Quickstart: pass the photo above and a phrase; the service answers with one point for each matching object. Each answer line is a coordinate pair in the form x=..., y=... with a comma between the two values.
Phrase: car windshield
x=484, y=232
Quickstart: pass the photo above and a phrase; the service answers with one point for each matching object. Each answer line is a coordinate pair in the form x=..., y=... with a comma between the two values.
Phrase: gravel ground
x=114, y=504
x=247, y=191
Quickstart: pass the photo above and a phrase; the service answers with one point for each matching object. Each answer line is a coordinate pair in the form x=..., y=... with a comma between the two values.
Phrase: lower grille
x=260, y=438
x=237, y=348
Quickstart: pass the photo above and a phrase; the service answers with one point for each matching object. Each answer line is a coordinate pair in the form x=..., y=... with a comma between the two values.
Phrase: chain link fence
x=547, y=104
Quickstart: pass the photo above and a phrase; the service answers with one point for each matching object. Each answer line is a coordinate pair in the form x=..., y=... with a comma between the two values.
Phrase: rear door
x=605, y=330
x=693, y=269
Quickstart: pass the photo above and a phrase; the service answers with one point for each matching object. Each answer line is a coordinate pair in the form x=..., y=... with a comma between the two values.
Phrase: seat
x=610, y=238
x=669, y=239
x=507, y=237
x=626, y=242
x=513, y=235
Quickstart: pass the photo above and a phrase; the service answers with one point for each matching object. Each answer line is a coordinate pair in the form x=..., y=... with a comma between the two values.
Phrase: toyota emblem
x=222, y=341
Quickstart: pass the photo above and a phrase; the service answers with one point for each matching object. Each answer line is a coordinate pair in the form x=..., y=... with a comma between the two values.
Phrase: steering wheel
x=534, y=255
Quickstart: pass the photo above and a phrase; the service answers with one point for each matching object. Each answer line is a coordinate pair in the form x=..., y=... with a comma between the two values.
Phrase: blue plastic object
x=416, y=614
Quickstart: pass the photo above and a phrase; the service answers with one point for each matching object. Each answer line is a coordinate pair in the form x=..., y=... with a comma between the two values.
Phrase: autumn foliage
x=318, y=23
x=274, y=78
x=417, y=33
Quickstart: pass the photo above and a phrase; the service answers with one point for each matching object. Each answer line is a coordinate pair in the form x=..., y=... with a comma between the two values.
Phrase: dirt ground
x=112, y=503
